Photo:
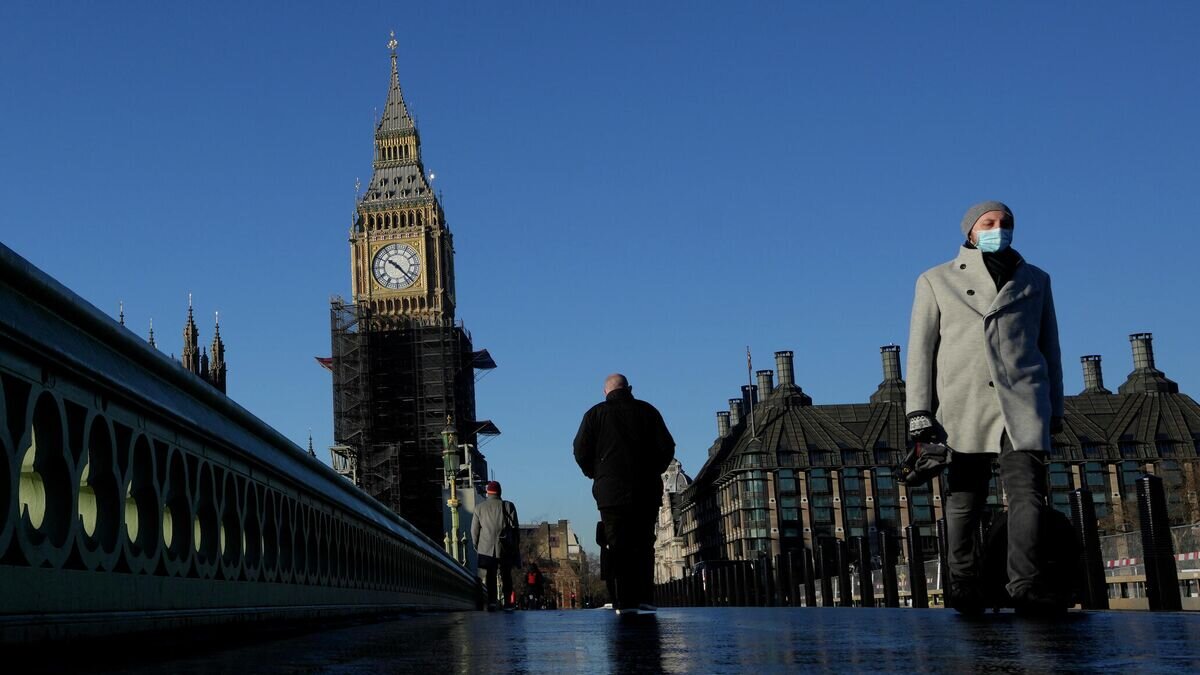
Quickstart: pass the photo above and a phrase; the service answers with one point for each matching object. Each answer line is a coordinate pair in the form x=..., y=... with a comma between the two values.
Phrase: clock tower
x=401, y=249
x=403, y=367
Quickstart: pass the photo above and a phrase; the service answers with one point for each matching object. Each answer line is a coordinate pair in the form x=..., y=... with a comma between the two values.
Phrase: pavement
x=708, y=640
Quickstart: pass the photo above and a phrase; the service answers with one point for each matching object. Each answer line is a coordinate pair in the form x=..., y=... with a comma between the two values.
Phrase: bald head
x=614, y=382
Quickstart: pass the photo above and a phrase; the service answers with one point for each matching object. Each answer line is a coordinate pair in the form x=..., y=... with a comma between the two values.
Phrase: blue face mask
x=991, y=241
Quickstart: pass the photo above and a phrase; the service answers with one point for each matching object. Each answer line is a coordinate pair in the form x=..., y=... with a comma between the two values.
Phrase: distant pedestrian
x=534, y=585
x=985, y=378
x=624, y=446
x=495, y=532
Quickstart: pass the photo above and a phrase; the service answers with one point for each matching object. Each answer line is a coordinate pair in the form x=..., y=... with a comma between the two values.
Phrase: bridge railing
x=134, y=494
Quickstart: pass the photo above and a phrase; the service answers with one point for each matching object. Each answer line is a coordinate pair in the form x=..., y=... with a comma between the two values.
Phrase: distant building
x=556, y=550
x=668, y=542
x=800, y=472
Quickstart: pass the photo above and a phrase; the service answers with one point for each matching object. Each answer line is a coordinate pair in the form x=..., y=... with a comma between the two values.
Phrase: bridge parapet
x=133, y=494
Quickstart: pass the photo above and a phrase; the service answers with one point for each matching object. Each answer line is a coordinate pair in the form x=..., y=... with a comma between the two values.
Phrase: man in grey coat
x=495, y=533
x=985, y=377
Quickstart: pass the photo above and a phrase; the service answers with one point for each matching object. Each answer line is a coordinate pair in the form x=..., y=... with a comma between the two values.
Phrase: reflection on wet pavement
x=720, y=640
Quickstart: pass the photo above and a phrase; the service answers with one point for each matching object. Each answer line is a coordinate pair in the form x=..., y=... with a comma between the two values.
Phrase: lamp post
x=450, y=463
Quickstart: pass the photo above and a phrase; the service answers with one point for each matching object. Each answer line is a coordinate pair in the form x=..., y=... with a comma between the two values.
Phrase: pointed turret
x=204, y=363
x=216, y=364
x=398, y=173
x=311, y=451
x=121, y=313
x=395, y=111
x=191, y=350
x=151, y=340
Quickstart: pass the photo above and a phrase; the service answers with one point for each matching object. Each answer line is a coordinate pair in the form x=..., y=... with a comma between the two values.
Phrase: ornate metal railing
x=133, y=494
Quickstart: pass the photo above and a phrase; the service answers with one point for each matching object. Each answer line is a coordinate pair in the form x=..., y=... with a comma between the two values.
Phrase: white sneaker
x=632, y=611
x=646, y=608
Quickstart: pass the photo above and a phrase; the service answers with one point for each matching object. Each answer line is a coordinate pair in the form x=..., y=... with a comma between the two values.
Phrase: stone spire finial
x=121, y=313
x=311, y=452
x=152, y=334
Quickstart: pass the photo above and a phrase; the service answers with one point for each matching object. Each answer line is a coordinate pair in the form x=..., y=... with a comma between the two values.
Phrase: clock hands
x=402, y=270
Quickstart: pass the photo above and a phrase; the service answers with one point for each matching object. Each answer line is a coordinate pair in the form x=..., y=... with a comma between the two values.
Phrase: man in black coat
x=623, y=445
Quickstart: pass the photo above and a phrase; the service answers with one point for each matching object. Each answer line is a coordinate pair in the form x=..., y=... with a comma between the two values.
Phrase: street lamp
x=450, y=464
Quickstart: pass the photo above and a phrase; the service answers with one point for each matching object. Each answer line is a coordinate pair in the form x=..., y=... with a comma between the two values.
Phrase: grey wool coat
x=985, y=361
x=493, y=517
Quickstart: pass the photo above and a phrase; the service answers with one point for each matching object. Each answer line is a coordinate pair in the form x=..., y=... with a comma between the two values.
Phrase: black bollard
x=862, y=558
x=888, y=558
x=943, y=560
x=741, y=593
x=1162, y=577
x=787, y=579
x=772, y=584
x=916, y=569
x=810, y=579
x=826, y=568
x=845, y=588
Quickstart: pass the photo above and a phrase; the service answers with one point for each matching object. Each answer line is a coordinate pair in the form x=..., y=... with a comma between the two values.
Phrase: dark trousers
x=629, y=531
x=1023, y=477
x=492, y=566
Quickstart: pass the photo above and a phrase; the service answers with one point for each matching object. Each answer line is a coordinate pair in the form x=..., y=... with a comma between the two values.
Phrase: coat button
x=970, y=292
x=962, y=267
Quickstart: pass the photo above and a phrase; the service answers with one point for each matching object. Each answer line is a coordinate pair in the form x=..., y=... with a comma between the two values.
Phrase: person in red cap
x=495, y=534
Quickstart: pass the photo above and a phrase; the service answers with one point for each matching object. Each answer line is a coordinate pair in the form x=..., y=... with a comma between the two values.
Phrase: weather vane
x=392, y=43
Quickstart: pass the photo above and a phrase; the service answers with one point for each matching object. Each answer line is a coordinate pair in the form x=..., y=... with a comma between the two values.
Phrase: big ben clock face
x=396, y=266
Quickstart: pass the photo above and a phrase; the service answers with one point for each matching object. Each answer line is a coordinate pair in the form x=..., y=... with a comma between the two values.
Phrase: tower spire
x=216, y=361
x=191, y=347
x=121, y=313
x=152, y=334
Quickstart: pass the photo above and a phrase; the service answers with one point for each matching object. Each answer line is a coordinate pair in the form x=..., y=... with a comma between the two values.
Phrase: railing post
x=888, y=557
x=943, y=560
x=1091, y=560
x=862, y=557
x=1162, y=578
x=916, y=569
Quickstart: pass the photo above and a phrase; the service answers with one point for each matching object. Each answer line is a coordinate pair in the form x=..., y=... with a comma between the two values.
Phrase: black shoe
x=966, y=597
x=1040, y=603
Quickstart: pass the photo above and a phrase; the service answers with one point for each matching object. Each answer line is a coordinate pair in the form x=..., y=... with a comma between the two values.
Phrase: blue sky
x=633, y=188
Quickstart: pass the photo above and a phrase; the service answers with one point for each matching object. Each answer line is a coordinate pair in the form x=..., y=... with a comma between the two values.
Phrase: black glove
x=924, y=462
x=922, y=428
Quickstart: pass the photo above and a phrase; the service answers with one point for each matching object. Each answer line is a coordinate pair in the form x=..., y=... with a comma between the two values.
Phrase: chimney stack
x=1093, y=377
x=1143, y=350
x=749, y=396
x=783, y=366
x=891, y=390
x=1145, y=378
x=766, y=382
x=722, y=423
x=891, y=362
x=735, y=412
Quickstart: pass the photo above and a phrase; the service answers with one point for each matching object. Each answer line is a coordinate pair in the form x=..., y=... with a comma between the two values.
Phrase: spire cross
x=392, y=43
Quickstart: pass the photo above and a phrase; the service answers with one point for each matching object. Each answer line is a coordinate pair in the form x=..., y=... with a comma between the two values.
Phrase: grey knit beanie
x=981, y=208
